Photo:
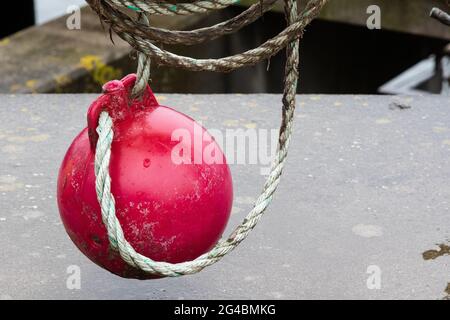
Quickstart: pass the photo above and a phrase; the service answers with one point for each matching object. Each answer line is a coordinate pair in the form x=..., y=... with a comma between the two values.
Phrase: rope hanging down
x=288, y=38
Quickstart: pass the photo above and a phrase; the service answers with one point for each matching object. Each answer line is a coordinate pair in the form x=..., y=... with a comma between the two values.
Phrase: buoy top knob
x=117, y=100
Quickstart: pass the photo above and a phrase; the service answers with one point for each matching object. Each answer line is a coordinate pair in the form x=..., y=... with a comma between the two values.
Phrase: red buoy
x=172, y=202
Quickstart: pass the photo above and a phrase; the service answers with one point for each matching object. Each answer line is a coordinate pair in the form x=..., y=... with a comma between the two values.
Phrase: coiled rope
x=170, y=9
x=288, y=38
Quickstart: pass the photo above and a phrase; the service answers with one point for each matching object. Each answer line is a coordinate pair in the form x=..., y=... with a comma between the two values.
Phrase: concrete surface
x=366, y=188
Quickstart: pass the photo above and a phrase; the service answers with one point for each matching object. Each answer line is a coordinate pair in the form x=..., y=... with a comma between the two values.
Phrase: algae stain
x=434, y=254
x=5, y=42
x=61, y=81
x=100, y=71
x=231, y=123
x=251, y=125
x=440, y=129
x=383, y=121
x=32, y=85
x=444, y=250
x=90, y=62
x=447, y=292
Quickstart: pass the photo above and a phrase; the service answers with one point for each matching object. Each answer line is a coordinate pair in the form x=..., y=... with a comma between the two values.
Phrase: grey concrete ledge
x=366, y=184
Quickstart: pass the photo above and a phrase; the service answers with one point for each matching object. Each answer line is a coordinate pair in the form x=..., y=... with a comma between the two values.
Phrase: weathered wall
x=410, y=16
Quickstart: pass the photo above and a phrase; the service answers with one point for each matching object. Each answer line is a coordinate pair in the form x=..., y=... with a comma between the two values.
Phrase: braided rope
x=296, y=23
x=123, y=23
x=169, y=9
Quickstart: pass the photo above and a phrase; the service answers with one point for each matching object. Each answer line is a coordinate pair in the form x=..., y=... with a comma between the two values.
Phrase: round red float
x=169, y=211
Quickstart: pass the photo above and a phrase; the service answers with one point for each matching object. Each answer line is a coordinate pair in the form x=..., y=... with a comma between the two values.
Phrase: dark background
x=15, y=15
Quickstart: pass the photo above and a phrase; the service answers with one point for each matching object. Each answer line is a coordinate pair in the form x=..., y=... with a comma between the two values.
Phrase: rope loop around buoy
x=134, y=34
x=144, y=67
x=288, y=38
